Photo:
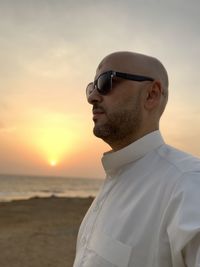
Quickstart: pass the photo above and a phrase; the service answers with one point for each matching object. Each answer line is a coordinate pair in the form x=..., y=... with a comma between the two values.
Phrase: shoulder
x=185, y=195
x=182, y=161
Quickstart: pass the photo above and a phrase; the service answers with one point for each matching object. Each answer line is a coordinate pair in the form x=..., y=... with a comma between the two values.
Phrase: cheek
x=122, y=99
x=125, y=95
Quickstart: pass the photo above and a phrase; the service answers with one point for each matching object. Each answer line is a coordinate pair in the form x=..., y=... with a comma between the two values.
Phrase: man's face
x=117, y=116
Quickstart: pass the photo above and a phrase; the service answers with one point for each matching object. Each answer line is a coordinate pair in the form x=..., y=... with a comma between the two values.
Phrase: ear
x=153, y=96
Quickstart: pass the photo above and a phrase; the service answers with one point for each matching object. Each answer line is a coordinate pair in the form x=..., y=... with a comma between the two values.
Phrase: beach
x=40, y=232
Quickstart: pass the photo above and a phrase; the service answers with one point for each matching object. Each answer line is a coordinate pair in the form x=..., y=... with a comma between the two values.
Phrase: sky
x=49, y=51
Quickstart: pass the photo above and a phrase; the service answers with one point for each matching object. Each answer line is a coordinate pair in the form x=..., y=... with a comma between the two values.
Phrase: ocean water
x=13, y=187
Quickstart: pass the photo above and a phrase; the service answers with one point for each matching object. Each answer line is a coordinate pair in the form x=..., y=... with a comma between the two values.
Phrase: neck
x=119, y=144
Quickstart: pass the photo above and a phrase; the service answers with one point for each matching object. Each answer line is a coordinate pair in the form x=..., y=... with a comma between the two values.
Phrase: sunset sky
x=49, y=51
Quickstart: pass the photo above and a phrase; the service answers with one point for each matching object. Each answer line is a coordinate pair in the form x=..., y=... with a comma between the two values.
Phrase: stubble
x=121, y=124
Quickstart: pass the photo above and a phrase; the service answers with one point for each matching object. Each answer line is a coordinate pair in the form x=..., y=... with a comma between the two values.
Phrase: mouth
x=97, y=113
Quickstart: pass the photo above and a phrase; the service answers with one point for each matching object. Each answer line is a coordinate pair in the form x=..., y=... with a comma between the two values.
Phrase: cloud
x=1, y=125
x=4, y=129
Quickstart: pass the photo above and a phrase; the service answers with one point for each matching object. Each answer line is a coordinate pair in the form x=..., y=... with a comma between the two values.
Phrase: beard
x=120, y=124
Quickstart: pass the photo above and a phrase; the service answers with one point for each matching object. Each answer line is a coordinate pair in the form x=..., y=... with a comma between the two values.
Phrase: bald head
x=135, y=63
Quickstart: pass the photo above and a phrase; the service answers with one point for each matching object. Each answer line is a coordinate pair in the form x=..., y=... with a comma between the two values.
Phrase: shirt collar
x=112, y=161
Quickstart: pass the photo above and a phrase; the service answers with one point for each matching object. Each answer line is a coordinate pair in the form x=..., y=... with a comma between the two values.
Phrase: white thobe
x=147, y=213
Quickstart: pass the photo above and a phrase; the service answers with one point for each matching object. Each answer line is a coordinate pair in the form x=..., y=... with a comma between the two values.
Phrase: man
x=147, y=213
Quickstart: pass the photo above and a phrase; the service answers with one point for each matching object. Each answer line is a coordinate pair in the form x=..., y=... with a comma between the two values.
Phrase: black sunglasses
x=103, y=83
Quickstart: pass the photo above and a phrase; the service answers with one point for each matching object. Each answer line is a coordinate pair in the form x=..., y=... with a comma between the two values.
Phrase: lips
x=97, y=112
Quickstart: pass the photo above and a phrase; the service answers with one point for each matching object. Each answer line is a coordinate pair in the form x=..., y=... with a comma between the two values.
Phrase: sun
x=53, y=163
x=55, y=137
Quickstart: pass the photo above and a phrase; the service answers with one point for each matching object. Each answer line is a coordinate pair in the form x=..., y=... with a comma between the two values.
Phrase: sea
x=16, y=187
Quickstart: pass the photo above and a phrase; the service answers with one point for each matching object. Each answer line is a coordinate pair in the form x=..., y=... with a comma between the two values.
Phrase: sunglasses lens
x=89, y=89
x=104, y=83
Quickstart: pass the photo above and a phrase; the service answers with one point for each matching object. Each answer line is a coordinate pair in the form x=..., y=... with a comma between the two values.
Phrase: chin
x=101, y=131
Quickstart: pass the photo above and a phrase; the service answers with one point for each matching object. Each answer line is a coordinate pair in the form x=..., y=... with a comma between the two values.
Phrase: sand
x=40, y=232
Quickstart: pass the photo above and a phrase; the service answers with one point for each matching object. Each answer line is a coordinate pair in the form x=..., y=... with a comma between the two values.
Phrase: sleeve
x=192, y=252
x=184, y=221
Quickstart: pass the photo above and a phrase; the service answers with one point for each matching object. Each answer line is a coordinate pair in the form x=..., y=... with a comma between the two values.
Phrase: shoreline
x=40, y=231
x=52, y=196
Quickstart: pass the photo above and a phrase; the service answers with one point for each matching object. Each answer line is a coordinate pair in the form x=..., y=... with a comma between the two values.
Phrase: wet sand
x=40, y=232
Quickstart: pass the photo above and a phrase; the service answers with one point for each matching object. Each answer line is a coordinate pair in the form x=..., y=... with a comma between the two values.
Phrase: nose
x=94, y=97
